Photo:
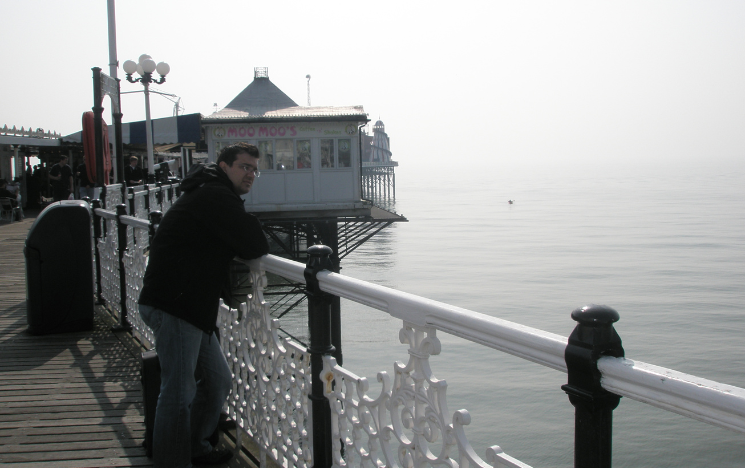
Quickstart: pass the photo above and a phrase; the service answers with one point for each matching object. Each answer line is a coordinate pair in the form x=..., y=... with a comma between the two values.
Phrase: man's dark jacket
x=133, y=173
x=191, y=251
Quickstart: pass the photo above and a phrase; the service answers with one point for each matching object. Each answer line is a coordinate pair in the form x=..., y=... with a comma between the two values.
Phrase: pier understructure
x=290, y=236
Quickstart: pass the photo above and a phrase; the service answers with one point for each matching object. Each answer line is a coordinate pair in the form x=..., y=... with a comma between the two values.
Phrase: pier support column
x=592, y=338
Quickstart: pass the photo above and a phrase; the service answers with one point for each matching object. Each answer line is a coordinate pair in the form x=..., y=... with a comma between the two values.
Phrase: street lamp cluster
x=145, y=67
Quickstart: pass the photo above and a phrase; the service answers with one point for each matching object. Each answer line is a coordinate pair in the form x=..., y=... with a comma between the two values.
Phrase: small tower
x=381, y=146
x=378, y=169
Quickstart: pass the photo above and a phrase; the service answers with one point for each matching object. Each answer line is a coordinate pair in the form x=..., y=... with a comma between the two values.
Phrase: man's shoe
x=215, y=457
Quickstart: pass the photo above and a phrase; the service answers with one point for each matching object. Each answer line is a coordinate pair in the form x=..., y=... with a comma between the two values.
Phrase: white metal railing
x=31, y=133
x=712, y=402
x=407, y=423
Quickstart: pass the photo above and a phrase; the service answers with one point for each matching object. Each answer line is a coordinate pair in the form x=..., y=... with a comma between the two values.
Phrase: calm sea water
x=665, y=246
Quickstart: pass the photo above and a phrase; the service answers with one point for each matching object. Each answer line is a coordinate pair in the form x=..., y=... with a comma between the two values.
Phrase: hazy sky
x=459, y=85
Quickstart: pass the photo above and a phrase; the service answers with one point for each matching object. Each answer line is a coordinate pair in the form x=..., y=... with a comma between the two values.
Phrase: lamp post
x=145, y=68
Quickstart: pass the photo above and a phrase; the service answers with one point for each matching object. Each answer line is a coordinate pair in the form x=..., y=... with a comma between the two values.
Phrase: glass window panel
x=303, y=154
x=345, y=152
x=284, y=155
x=266, y=155
x=327, y=153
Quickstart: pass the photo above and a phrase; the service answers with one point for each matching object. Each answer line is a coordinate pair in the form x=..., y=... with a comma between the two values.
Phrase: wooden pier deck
x=70, y=400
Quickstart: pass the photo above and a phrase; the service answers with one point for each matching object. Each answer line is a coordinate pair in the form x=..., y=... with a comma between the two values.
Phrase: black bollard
x=319, y=323
x=592, y=338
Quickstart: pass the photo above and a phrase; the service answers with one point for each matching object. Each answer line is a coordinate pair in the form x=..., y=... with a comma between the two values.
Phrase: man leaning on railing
x=198, y=237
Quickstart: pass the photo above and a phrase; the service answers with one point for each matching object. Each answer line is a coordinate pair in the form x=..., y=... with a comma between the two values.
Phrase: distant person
x=14, y=187
x=61, y=175
x=5, y=193
x=86, y=186
x=45, y=187
x=133, y=174
x=188, y=267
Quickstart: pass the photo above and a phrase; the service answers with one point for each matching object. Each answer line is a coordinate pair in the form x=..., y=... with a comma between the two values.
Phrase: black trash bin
x=59, y=269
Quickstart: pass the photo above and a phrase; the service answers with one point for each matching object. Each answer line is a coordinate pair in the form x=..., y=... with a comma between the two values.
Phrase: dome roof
x=259, y=97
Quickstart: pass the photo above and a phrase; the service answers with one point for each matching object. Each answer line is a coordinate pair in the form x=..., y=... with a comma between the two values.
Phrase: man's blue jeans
x=188, y=410
x=86, y=192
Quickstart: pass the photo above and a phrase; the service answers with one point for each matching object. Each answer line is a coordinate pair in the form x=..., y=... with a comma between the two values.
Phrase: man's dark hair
x=230, y=153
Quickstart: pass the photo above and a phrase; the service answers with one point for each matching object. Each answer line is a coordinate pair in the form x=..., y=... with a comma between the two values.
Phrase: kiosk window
x=345, y=152
x=327, y=153
x=266, y=155
x=303, y=154
x=284, y=155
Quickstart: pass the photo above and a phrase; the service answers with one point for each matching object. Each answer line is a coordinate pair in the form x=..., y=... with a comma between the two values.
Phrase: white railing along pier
x=302, y=409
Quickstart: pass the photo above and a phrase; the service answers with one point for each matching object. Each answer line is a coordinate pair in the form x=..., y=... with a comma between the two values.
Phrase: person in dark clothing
x=133, y=174
x=86, y=186
x=188, y=267
x=5, y=193
x=13, y=196
x=61, y=176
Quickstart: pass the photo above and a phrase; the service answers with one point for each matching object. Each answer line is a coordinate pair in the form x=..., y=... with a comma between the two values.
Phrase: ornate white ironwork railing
x=135, y=261
x=32, y=133
x=108, y=257
x=271, y=382
x=144, y=199
x=716, y=403
x=407, y=423
x=113, y=197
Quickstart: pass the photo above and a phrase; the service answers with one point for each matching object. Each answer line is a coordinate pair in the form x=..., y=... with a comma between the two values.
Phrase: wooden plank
x=83, y=430
x=91, y=463
x=111, y=452
x=136, y=421
x=70, y=400
x=34, y=397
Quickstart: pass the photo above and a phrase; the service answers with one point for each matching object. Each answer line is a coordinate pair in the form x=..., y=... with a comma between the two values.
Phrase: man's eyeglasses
x=246, y=168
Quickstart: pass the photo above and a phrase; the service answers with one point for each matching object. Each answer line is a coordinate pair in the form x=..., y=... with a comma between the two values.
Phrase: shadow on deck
x=68, y=400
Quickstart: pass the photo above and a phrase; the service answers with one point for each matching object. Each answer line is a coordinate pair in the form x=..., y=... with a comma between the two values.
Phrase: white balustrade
x=108, y=250
x=140, y=205
x=113, y=197
x=408, y=422
x=152, y=196
x=135, y=262
x=271, y=383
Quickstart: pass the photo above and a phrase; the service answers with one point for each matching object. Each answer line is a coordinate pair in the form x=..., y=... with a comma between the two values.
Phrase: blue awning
x=170, y=130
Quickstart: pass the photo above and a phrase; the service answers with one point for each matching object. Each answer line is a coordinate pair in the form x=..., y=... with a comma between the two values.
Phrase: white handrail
x=705, y=400
x=695, y=397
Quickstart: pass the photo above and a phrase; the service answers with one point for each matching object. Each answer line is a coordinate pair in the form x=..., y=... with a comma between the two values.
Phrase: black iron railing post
x=128, y=192
x=96, y=238
x=121, y=210
x=154, y=217
x=319, y=323
x=592, y=338
x=147, y=199
x=159, y=195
